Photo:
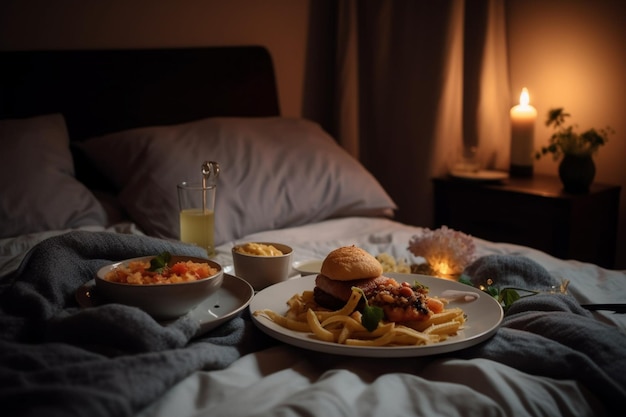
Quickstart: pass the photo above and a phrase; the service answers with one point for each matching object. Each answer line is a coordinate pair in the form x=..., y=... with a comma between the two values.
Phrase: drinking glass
x=197, y=214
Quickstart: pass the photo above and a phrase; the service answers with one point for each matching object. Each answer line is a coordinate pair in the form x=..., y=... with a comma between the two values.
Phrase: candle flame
x=524, y=98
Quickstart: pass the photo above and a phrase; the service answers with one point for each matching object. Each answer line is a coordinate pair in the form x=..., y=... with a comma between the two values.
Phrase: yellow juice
x=197, y=227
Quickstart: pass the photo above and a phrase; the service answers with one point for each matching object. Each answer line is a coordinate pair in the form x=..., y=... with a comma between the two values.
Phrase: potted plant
x=575, y=150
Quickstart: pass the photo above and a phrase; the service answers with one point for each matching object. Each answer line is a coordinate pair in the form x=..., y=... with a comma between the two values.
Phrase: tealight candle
x=523, y=117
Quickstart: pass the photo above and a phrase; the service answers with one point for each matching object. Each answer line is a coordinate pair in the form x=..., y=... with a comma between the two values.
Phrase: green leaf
x=372, y=315
x=508, y=296
x=159, y=262
x=419, y=286
x=464, y=279
x=492, y=291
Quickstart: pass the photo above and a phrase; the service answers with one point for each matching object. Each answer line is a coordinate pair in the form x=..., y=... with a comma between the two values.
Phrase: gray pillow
x=39, y=190
x=275, y=173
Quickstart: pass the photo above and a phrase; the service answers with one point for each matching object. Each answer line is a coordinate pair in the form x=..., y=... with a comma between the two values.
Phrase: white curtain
x=408, y=73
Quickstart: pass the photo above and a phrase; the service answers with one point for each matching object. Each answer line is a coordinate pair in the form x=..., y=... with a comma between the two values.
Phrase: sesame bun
x=349, y=263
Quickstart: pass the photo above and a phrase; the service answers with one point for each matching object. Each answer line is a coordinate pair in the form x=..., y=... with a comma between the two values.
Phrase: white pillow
x=275, y=173
x=39, y=190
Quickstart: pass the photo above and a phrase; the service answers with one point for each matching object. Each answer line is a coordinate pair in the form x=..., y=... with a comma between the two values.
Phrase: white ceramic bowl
x=162, y=301
x=262, y=271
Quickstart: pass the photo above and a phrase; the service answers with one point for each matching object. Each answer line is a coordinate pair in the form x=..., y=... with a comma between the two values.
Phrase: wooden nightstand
x=533, y=212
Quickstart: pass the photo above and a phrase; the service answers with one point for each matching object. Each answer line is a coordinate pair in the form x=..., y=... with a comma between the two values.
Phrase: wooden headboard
x=103, y=91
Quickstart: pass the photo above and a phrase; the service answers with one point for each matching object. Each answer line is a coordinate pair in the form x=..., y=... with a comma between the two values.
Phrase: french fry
x=346, y=310
x=285, y=322
x=383, y=340
x=345, y=321
x=317, y=328
x=344, y=335
x=419, y=338
x=443, y=317
x=307, y=295
x=381, y=330
x=447, y=328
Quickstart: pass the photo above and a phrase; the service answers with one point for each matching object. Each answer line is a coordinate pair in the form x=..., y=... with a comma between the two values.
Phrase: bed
x=94, y=143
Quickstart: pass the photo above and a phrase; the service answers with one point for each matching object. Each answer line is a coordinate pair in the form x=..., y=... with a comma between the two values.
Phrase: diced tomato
x=434, y=305
x=179, y=268
x=202, y=271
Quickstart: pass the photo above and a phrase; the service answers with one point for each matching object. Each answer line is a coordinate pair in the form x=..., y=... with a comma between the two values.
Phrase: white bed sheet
x=289, y=381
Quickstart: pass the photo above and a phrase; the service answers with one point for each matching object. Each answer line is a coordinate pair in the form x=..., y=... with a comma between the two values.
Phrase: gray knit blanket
x=551, y=334
x=57, y=359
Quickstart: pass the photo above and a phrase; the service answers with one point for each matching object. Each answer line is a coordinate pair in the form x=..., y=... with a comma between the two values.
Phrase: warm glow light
x=442, y=268
x=524, y=98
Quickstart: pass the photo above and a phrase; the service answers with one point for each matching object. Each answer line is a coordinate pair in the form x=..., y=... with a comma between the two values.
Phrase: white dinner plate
x=482, y=175
x=231, y=298
x=308, y=267
x=484, y=315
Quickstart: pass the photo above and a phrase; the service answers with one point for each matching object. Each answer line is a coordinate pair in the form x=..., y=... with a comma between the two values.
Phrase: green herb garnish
x=159, y=262
x=372, y=315
x=464, y=279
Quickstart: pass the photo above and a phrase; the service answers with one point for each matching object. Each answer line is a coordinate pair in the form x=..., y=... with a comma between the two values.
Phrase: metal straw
x=210, y=172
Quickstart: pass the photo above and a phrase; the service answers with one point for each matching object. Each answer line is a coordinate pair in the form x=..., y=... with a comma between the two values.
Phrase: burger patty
x=326, y=300
x=343, y=289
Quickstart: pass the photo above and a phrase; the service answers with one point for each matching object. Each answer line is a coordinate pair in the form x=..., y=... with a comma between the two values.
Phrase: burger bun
x=349, y=263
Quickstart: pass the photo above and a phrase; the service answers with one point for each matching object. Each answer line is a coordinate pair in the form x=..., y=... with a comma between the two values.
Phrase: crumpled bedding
x=13, y=249
x=287, y=381
x=57, y=359
x=550, y=357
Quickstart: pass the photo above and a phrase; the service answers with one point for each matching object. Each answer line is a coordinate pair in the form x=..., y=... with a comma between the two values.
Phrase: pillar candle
x=523, y=117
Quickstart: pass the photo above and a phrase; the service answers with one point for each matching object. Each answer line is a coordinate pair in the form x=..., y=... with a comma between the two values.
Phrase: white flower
x=447, y=251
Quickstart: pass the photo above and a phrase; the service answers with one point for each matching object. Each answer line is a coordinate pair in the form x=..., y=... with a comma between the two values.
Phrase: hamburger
x=342, y=269
x=351, y=266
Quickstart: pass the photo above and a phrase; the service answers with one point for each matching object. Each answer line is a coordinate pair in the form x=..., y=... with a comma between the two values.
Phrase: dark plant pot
x=577, y=173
